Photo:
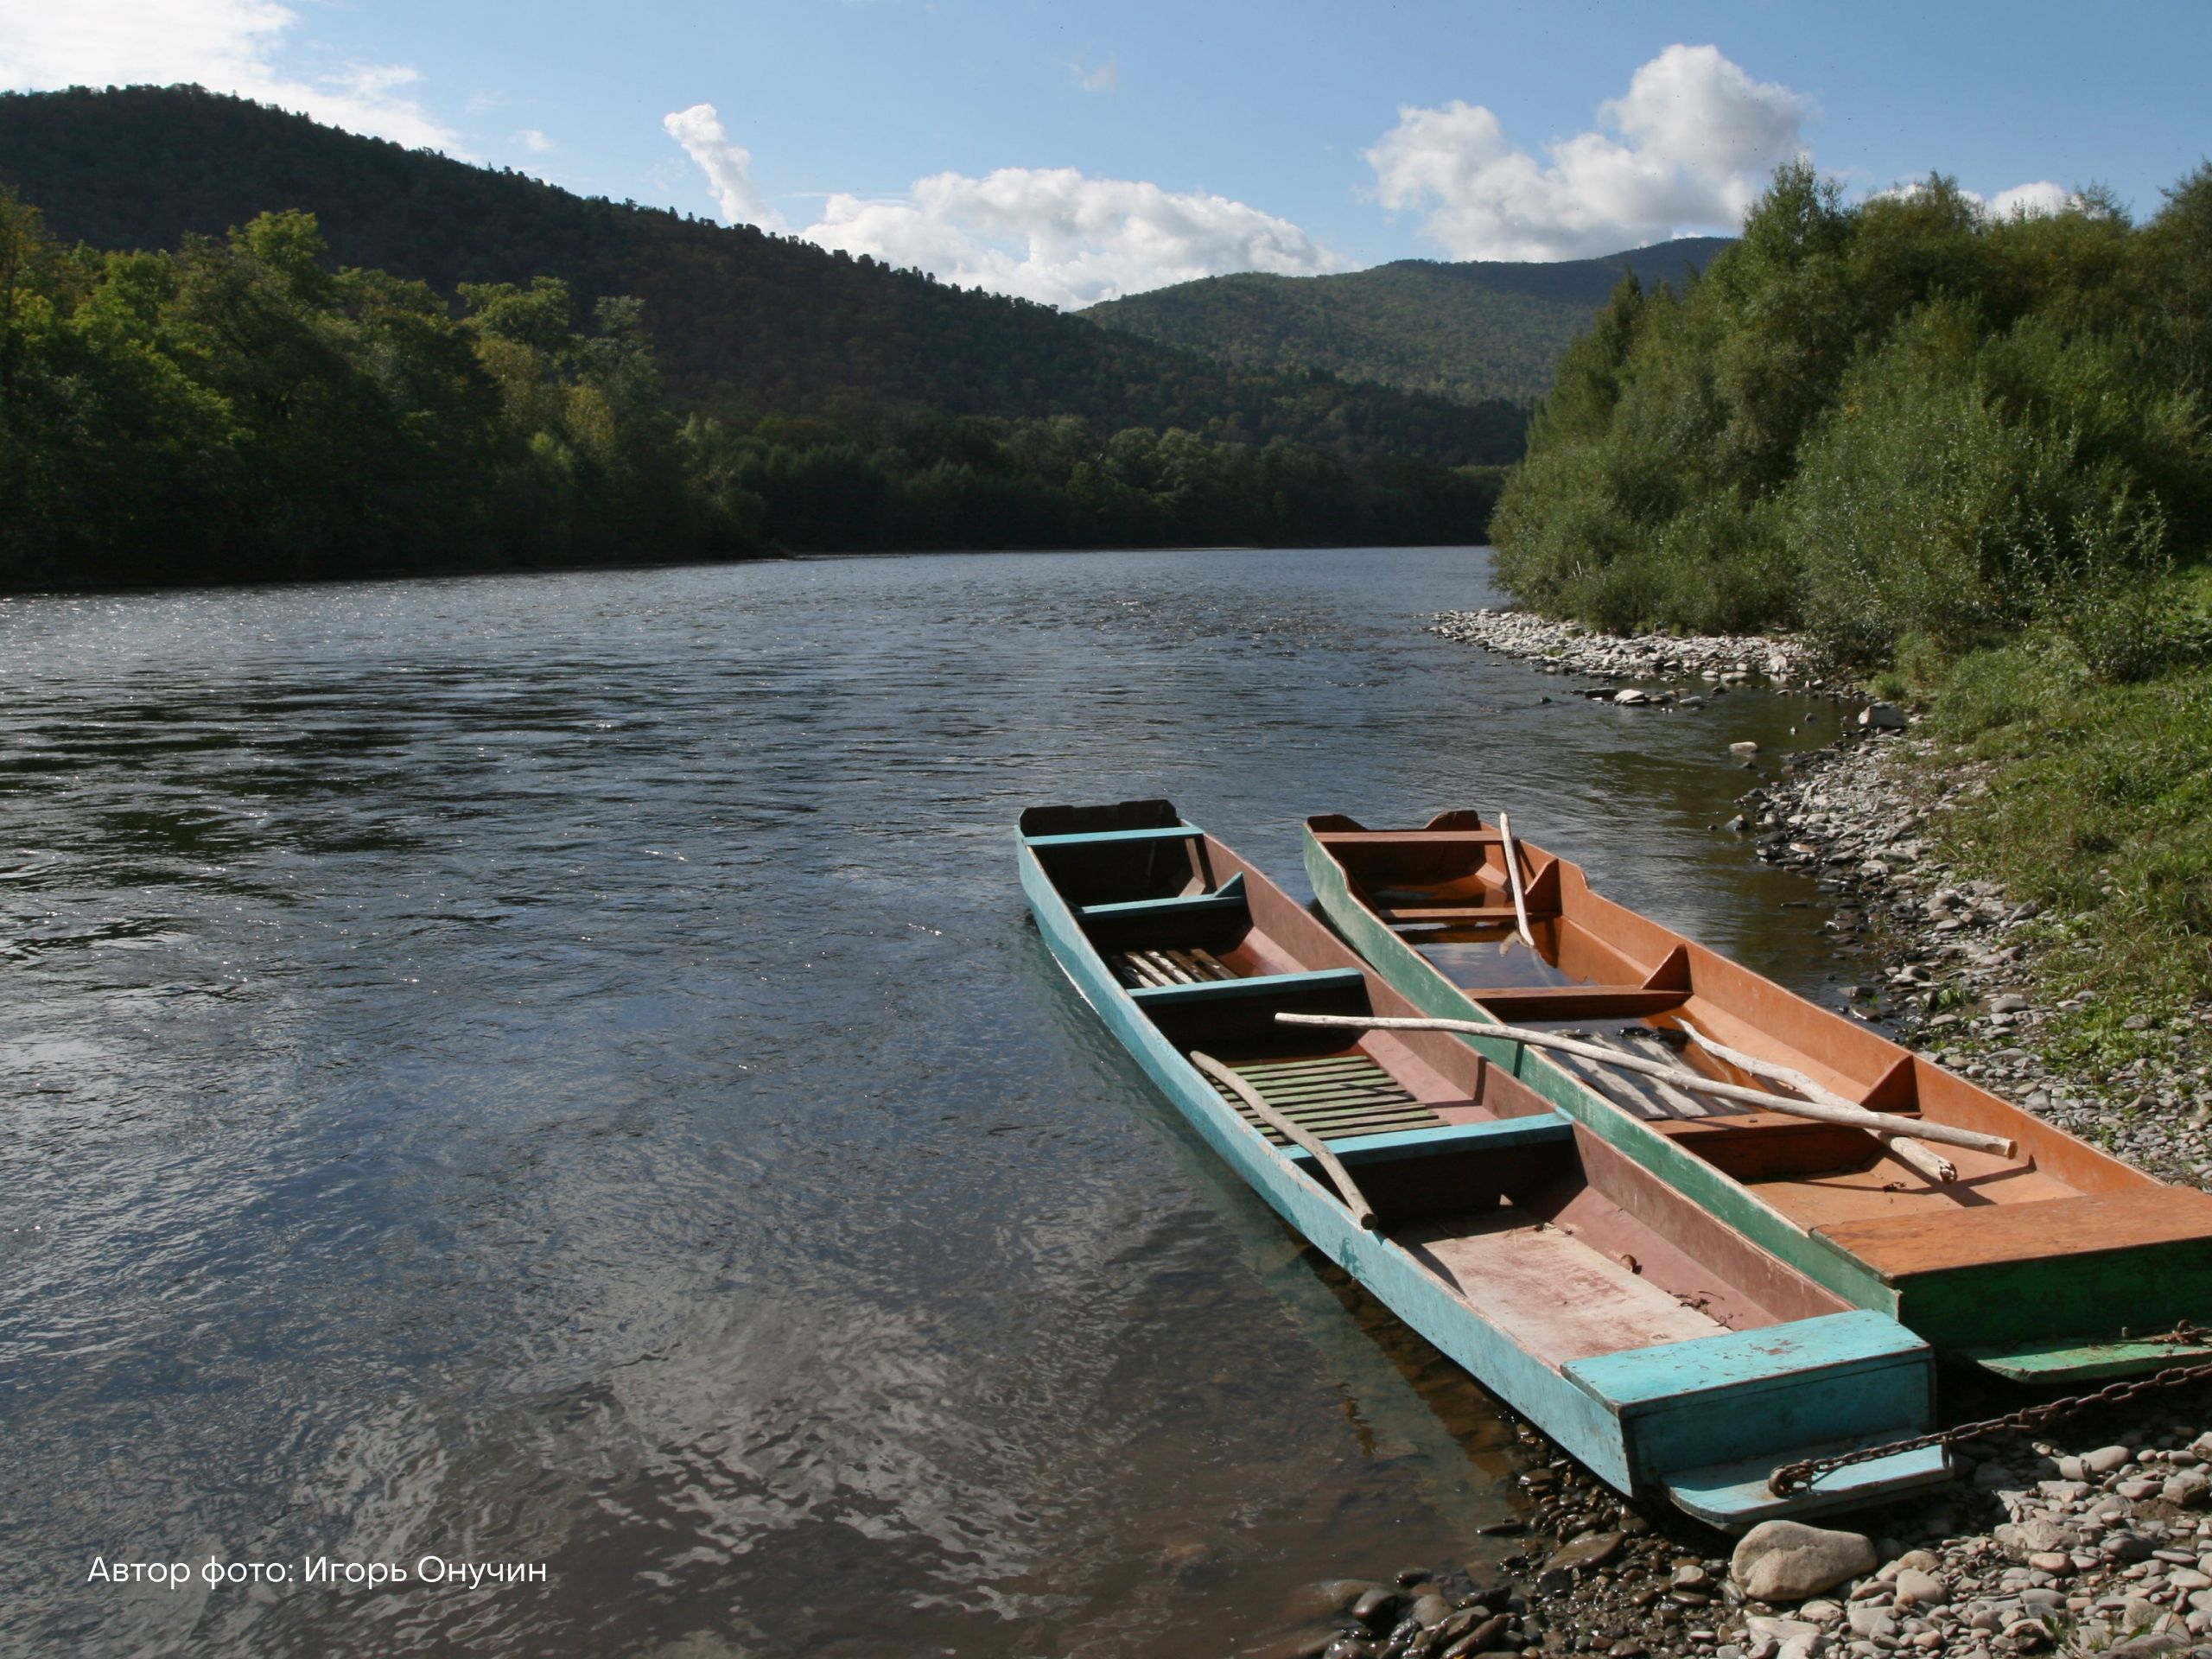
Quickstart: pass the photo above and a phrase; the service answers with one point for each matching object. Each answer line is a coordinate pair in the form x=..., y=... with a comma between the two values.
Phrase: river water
x=555, y=1071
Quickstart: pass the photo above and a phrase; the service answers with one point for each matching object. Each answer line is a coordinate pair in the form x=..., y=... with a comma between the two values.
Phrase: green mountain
x=741, y=322
x=1483, y=329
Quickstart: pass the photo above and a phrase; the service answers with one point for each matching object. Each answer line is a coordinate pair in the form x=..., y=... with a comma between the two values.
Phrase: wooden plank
x=1135, y=970
x=1685, y=1105
x=1856, y=1340
x=1185, y=905
x=1575, y=1001
x=1496, y=1134
x=2070, y=1360
x=1405, y=837
x=1937, y=1241
x=1645, y=1089
x=1734, y=1495
x=1355, y=1200
x=1469, y=915
x=1105, y=837
x=1562, y=1300
x=1604, y=1084
x=1255, y=985
x=1309, y=1067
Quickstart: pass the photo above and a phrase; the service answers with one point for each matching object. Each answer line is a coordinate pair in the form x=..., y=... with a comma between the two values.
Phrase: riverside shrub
x=1906, y=418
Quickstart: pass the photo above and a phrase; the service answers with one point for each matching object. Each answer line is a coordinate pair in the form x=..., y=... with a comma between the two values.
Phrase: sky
x=1072, y=152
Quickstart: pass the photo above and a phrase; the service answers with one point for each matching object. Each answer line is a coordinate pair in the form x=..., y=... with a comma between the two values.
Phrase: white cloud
x=727, y=166
x=1055, y=235
x=1688, y=147
x=1045, y=233
x=1106, y=78
x=227, y=46
x=2022, y=200
x=2041, y=197
x=533, y=140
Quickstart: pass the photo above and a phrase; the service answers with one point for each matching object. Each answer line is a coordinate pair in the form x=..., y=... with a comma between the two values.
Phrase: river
x=555, y=1072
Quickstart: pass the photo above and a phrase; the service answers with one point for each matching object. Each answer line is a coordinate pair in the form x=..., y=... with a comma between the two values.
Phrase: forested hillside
x=740, y=321
x=240, y=410
x=1478, y=330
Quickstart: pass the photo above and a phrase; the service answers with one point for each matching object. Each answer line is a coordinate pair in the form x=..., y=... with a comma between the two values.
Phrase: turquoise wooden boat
x=1670, y=1356
x=2045, y=1262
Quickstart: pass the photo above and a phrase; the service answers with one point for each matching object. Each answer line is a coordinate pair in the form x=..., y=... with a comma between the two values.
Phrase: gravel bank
x=2093, y=1537
x=2076, y=1545
x=1568, y=648
x=1952, y=960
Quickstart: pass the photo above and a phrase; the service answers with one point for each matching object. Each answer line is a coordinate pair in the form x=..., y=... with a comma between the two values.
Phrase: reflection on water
x=556, y=1069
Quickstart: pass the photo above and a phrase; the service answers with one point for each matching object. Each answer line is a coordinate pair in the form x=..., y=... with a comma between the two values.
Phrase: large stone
x=1576, y=1557
x=1788, y=1560
x=1916, y=1588
x=1882, y=717
x=2191, y=1489
x=2040, y=1537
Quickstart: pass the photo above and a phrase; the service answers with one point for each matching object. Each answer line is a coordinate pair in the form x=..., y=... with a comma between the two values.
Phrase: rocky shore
x=1953, y=960
x=2092, y=1536
x=1569, y=648
x=2074, y=1545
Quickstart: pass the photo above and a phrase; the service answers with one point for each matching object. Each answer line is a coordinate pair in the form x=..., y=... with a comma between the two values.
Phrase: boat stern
x=1706, y=1422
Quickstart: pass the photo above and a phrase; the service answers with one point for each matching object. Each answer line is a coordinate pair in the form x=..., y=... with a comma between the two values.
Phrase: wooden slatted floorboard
x=1140, y=968
x=1335, y=1097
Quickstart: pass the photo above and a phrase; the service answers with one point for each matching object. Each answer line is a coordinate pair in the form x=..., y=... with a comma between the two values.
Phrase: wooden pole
x=1921, y=1159
x=1513, y=878
x=1362, y=1211
x=1857, y=1117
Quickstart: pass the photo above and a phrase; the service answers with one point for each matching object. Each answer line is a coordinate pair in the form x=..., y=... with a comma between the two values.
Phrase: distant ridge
x=740, y=320
x=1472, y=331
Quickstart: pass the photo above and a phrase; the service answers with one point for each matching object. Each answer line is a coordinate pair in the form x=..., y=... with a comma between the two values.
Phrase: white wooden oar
x=1857, y=1117
x=1362, y=1210
x=1513, y=878
x=1908, y=1151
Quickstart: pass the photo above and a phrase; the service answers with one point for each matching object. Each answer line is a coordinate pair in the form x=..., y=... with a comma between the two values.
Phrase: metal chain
x=1797, y=1476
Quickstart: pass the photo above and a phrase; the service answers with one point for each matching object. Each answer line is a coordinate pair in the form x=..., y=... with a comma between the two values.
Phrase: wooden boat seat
x=1562, y=1299
x=1240, y=988
x=1407, y=837
x=1898, y=1247
x=1334, y=1095
x=1459, y=915
x=1517, y=1003
x=1108, y=837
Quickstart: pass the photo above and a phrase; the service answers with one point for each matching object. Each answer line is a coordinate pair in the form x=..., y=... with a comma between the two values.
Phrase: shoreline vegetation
x=1967, y=461
x=239, y=410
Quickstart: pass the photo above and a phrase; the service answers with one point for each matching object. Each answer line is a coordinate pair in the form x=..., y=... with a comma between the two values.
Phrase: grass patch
x=2098, y=805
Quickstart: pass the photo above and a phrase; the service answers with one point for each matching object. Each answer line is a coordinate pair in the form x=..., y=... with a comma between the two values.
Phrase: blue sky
x=1071, y=151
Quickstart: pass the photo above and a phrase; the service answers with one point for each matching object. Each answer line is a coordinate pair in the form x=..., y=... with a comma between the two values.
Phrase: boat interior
x=1603, y=973
x=1540, y=1226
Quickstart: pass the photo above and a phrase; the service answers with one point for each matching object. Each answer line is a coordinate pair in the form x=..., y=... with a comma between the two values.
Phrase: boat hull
x=2045, y=1302
x=1692, y=1420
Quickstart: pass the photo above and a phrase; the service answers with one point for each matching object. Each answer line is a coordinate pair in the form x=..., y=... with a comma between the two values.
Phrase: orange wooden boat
x=2053, y=1263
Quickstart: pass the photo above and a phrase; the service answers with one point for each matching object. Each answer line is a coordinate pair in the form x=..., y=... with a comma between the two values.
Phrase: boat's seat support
x=1256, y=985
x=1517, y=1005
x=1107, y=837
x=1228, y=897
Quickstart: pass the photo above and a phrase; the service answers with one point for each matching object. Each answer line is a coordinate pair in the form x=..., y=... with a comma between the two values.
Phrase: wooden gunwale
x=1796, y=1367
x=1888, y=1236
